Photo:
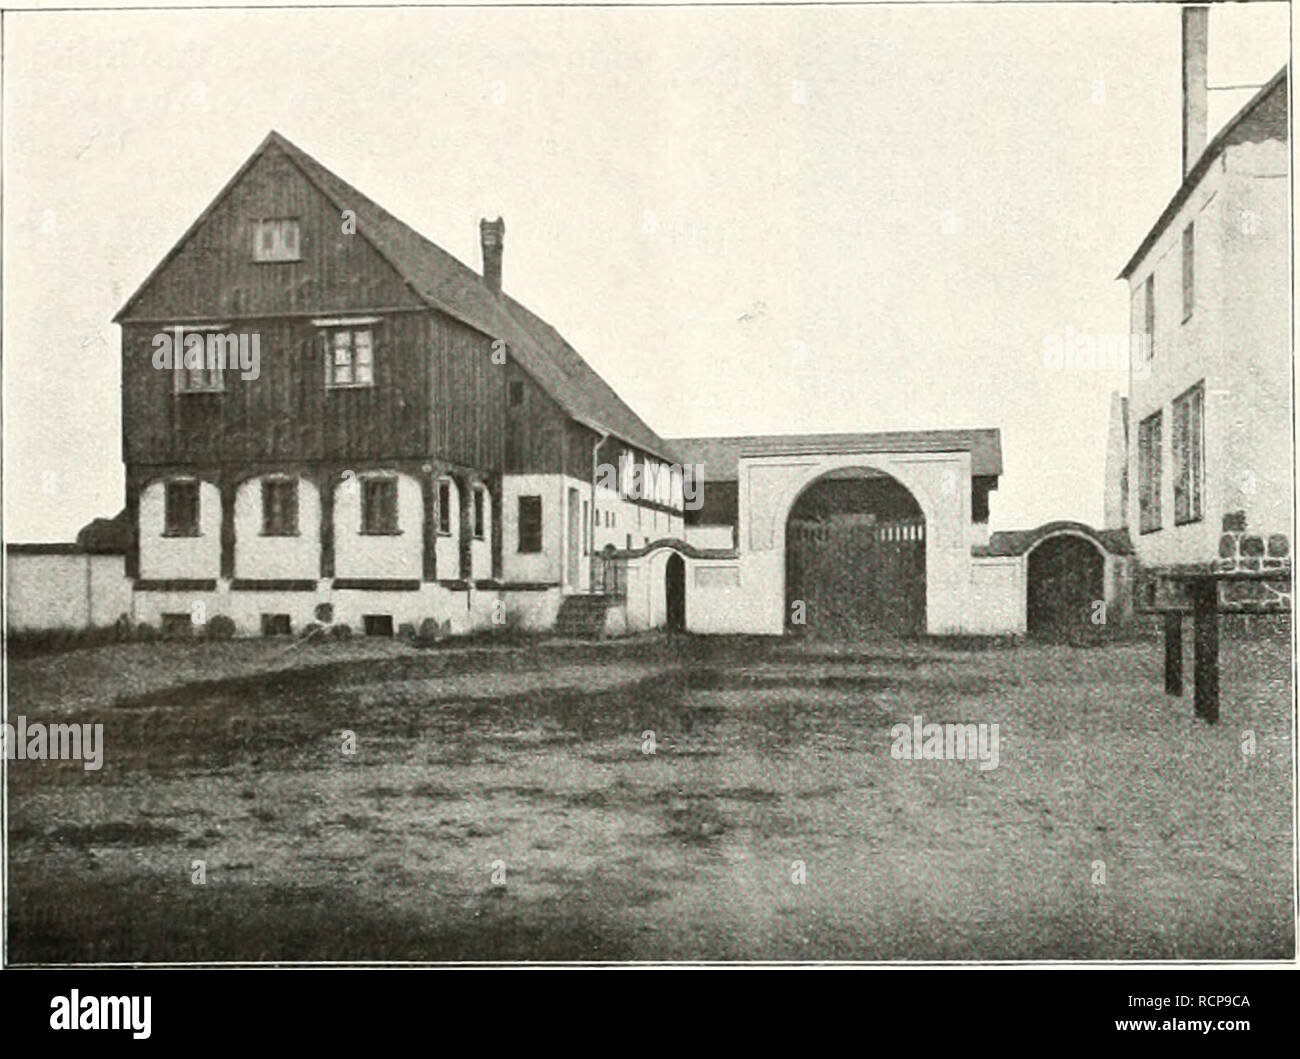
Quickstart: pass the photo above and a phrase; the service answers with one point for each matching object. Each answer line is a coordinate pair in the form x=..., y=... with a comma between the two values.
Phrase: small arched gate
x=1066, y=583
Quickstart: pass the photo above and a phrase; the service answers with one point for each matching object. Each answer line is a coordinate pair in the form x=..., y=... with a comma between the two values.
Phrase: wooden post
x=1173, y=653
x=1207, y=650
x=227, y=487
x=325, y=482
x=429, y=516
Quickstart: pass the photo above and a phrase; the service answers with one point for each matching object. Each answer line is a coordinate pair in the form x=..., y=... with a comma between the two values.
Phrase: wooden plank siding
x=467, y=395
x=536, y=431
x=213, y=274
x=437, y=393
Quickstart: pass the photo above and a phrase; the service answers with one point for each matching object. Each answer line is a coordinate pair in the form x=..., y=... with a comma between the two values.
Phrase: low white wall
x=711, y=536
x=716, y=599
x=996, y=601
x=52, y=591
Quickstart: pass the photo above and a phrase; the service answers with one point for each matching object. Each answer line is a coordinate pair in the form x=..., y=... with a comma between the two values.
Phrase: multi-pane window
x=204, y=378
x=480, y=527
x=1189, y=455
x=1189, y=270
x=276, y=239
x=350, y=358
x=181, y=509
x=1150, y=458
x=444, y=506
x=379, y=505
x=279, y=507
x=530, y=523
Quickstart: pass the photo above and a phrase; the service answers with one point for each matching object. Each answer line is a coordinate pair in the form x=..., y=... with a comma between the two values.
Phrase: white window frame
x=353, y=361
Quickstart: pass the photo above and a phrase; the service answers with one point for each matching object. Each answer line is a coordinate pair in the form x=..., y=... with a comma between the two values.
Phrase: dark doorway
x=1066, y=582
x=675, y=591
x=855, y=559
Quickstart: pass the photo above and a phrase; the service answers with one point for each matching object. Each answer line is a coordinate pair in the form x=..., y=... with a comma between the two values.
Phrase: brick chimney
x=492, y=234
x=1195, y=93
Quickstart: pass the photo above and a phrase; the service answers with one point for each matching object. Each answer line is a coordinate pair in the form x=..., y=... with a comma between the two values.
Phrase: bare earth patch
x=500, y=805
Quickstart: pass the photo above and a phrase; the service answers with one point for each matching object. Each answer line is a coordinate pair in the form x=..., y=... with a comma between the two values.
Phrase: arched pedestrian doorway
x=855, y=558
x=1066, y=582
x=675, y=592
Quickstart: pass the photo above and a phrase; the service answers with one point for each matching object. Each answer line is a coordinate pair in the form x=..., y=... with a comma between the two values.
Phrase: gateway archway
x=855, y=558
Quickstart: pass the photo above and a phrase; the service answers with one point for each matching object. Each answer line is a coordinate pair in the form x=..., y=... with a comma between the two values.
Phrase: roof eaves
x=1211, y=152
x=267, y=140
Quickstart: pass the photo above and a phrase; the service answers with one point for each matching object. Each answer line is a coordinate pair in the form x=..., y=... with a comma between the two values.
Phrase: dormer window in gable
x=276, y=239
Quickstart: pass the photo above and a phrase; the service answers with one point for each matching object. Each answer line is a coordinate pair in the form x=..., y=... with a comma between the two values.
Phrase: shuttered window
x=379, y=506
x=181, y=509
x=279, y=507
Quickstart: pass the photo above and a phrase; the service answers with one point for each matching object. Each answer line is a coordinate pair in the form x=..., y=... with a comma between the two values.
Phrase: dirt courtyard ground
x=501, y=804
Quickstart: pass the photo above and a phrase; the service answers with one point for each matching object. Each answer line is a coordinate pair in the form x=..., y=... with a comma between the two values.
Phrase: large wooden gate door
x=856, y=577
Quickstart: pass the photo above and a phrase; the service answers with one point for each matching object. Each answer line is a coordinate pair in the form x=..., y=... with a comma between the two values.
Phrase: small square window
x=276, y=240
x=174, y=626
x=181, y=509
x=276, y=625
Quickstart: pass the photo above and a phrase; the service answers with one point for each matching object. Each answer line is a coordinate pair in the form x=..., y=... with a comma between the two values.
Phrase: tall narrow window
x=1189, y=271
x=379, y=506
x=279, y=507
x=181, y=509
x=1150, y=457
x=276, y=240
x=444, y=506
x=1149, y=313
x=480, y=528
x=530, y=524
x=350, y=358
x=1189, y=455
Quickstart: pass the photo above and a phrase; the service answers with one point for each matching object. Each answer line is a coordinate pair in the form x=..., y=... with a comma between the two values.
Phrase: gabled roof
x=1252, y=123
x=445, y=283
x=720, y=457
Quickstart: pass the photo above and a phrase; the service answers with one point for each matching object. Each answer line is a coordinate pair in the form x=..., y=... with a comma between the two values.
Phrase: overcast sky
x=748, y=220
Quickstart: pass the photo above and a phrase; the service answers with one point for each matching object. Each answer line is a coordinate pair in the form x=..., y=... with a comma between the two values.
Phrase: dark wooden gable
x=212, y=273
